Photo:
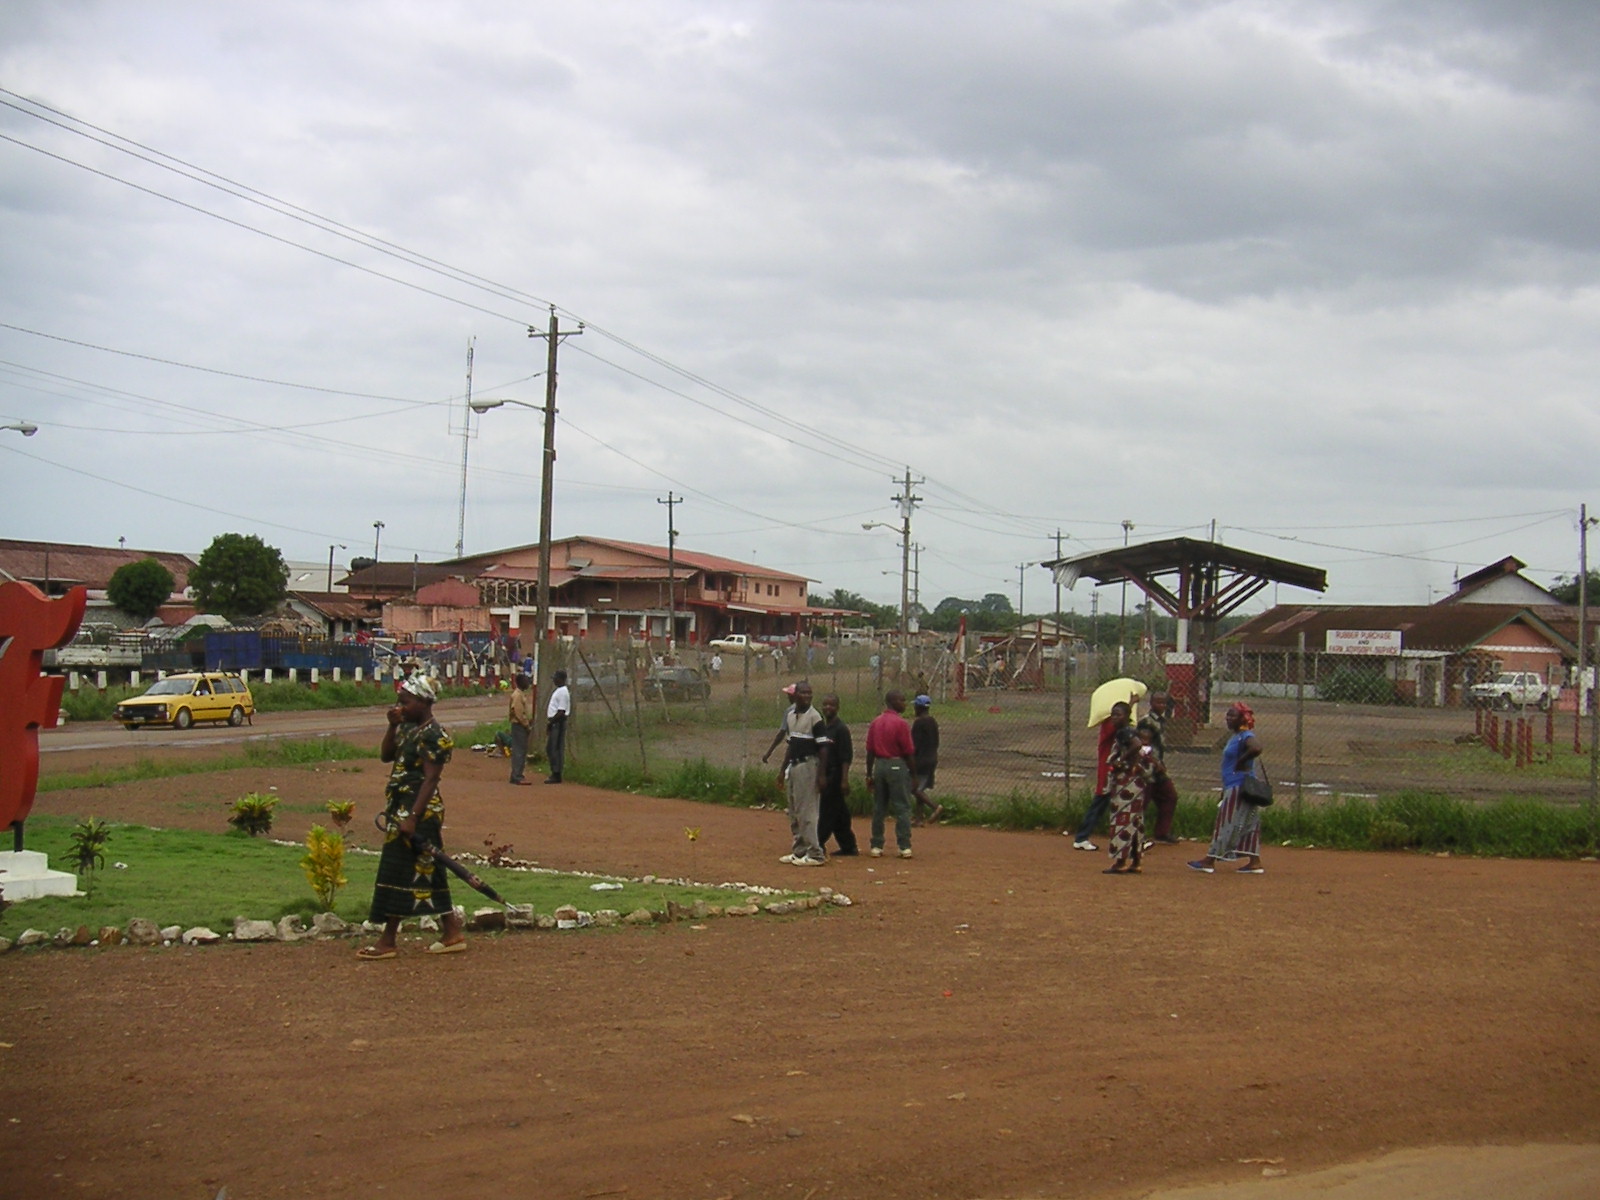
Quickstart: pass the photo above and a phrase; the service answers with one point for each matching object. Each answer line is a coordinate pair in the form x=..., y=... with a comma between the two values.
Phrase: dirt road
x=993, y=1018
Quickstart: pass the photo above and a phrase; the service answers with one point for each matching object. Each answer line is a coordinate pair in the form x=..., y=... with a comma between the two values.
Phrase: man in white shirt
x=555, y=728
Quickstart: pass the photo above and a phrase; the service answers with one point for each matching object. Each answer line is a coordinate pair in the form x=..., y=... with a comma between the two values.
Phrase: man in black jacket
x=833, y=819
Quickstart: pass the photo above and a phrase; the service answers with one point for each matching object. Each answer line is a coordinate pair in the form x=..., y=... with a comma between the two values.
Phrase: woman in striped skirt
x=1238, y=830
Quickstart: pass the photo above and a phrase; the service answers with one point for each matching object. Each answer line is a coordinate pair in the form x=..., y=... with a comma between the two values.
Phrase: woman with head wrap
x=1238, y=830
x=1130, y=770
x=411, y=882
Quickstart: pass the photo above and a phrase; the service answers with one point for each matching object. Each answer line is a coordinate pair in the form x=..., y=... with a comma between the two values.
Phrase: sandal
x=448, y=947
x=375, y=953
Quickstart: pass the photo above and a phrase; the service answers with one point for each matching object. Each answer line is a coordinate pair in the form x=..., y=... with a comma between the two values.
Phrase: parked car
x=585, y=686
x=734, y=643
x=181, y=700
x=677, y=683
x=1514, y=689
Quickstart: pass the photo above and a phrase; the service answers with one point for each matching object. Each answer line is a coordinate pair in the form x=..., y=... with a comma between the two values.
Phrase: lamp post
x=904, y=530
x=377, y=534
x=25, y=428
x=541, y=617
x=340, y=546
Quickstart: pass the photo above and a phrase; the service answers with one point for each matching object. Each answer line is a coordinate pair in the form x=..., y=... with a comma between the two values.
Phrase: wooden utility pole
x=672, y=604
x=553, y=338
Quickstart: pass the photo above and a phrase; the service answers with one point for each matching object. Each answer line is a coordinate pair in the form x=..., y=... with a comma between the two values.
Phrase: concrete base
x=26, y=875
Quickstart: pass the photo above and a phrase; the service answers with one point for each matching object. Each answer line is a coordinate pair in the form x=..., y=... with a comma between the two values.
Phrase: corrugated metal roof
x=1449, y=627
x=91, y=566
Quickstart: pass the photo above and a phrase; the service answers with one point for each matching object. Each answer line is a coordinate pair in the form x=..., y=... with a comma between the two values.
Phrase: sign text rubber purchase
x=1364, y=641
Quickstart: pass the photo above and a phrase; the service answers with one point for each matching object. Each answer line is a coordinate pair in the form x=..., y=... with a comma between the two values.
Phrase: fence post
x=1594, y=747
x=1066, y=734
x=1299, y=722
x=744, y=719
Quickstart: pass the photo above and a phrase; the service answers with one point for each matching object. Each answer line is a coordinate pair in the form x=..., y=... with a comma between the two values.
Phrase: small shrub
x=498, y=854
x=253, y=813
x=324, y=865
x=341, y=813
x=1357, y=685
x=87, y=851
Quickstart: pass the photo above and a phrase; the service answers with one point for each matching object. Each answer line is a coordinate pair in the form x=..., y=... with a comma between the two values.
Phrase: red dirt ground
x=993, y=1018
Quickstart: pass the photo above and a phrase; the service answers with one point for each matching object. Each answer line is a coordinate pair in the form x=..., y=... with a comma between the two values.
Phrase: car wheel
x=1505, y=702
x=1544, y=702
x=236, y=717
x=183, y=720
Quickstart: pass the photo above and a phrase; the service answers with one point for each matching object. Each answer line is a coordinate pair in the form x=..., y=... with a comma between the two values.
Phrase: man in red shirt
x=890, y=762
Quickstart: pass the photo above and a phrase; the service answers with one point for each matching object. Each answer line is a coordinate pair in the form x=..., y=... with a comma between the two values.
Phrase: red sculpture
x=30, y=624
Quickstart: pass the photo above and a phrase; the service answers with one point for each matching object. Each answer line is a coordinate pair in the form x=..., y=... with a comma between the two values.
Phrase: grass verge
x=1420, y=821
x=188, y=878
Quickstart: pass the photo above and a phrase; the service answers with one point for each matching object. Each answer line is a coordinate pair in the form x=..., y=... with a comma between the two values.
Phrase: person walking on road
x=1237, y=833
x=411, y=882
x=925, y=759
x=833, y=818
x=521, y=726
x=1131, y=768
x=1120, y=715
x=1163, y=792
x=805, y=762
x=890, y=766
x=555, y=725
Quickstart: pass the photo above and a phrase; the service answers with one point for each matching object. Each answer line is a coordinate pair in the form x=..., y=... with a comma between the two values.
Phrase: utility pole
x=466, y=440
x=916, y=576
x=541, y=618
x=1022, y=574
x=1122, y=624
x=907, y=501
x=1584, y=521
x=672, y=604
x=377, y=535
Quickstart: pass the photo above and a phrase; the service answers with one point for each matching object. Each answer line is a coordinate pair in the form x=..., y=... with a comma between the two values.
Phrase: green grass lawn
x=187, y=878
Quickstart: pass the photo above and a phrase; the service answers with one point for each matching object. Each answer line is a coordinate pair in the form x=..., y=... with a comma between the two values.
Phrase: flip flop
x=374, y=954
x=448, y=947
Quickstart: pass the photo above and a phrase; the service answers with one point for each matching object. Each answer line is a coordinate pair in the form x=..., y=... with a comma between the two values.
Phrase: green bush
x=1357, y=685
x=252, y=813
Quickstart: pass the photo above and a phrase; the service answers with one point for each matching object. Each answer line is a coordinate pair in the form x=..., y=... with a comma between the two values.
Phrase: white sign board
x=1364, y=641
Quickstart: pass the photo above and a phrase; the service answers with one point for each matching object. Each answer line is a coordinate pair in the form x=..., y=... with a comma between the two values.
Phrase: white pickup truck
x=735, y=643
x=1515, y=689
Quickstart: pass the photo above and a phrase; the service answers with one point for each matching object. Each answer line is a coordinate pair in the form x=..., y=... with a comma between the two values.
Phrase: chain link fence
x=1011, y=727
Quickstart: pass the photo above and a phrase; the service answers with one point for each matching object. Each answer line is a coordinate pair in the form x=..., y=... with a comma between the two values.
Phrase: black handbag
x=1256, y=791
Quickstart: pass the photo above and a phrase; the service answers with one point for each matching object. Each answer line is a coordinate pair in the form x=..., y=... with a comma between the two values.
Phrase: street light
x=541, y=617
x=25, y=428
x=377, y=533
x=340, y=546
x=904, y=530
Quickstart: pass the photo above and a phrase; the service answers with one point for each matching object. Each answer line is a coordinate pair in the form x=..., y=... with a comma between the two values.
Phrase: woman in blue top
x=1238, y=830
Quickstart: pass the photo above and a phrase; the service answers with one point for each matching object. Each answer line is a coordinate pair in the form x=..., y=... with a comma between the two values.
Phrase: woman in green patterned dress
x=412, y=883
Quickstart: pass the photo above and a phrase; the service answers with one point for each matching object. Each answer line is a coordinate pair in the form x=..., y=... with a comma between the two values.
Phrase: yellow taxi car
x=181, y=700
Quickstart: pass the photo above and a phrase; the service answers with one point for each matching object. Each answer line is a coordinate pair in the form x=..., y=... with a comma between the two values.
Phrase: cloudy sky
x=1322, y=273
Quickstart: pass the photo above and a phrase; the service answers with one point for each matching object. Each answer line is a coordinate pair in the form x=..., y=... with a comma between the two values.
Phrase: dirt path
x=991, y=1019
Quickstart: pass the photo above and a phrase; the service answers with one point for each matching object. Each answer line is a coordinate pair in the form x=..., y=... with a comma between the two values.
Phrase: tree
x=239, y=575
x=140, y=588
x=1565, y=588
x=992, y=612
x=886, y=616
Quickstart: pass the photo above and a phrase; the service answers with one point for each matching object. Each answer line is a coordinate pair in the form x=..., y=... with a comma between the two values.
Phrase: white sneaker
x=1084, y=844
x=906, y=853
x=810, y=862
x=789, y=858
x=876, y=852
